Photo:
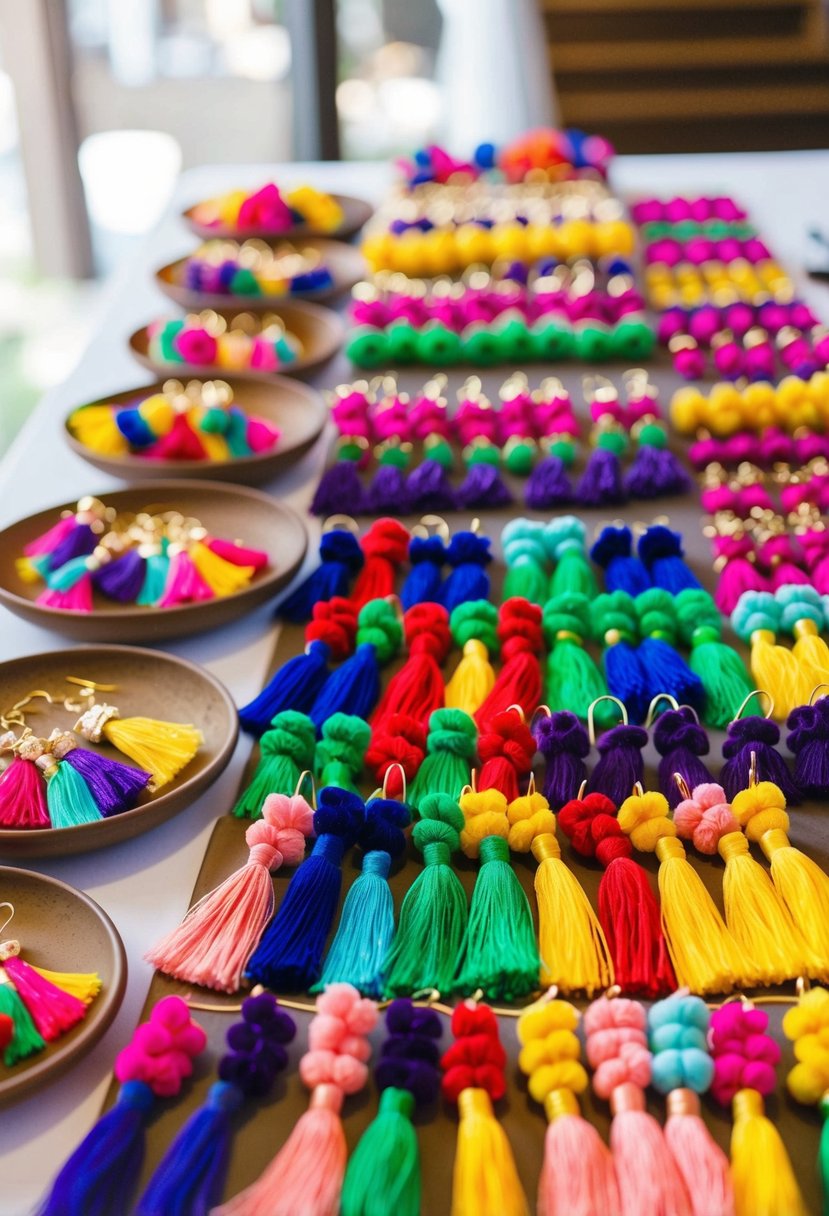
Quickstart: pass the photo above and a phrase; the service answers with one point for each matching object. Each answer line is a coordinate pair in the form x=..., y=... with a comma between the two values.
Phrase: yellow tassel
x=485, y=1180
x=812, y=655
x=215, y=446
x=764, y=1181
x=94, y=426
x=772, y=947
x=158, y=413
x=775, y=669
x=705, y=956
x=26, y=571
x=574, y=952
x=472, y=680
x=802, y=885
x=160, y=748
x=85, y=987
x=222, y=576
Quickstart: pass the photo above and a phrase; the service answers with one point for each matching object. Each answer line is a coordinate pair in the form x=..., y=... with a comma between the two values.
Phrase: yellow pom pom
x=614, y=237
x=94, y=426
x=725, y=413
x=473, y=244
x=807, y=1025
x=759, y=405
x=215, y=446
x=761, y=808
x=644, y=818
x=688, y=407
x=485, y=814
x=26, y=571
x=529, y=817
x=378, y=250
x=540, y=1020
x=158, y=414
x=566, y=1074
x=578, y=238
x=555, y=1046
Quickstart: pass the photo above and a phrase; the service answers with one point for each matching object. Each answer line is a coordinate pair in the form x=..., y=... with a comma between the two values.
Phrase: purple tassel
x=563, y=742
x=655, y=473
x=483, y=487
x=548, y=485
x=387, y=492
x=808, y=739
x=78, y=543
x=680, y=741
x=620, y=764
x=601, y=482
x=757, y=735
x=115, y=787
x=339, y=491
x=123, y=578
x=428, y=488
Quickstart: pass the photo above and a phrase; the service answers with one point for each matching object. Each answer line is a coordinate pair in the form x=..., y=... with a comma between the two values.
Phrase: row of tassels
x=677, y=1047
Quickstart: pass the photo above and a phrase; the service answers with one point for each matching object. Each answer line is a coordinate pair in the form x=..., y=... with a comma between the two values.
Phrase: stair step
x=680, y=53
x=643, y=25
x=716, y=135
x=591, y=110
x=626, y=6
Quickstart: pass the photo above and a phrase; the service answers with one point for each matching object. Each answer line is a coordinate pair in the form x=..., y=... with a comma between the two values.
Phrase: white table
x=145, y=884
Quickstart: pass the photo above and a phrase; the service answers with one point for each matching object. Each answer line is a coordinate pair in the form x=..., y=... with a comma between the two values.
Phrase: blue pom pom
x=468, y=553
x=613, y=551
x=426, y=555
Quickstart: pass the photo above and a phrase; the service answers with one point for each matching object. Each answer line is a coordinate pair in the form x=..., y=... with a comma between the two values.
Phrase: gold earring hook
x=15, y=715
x=307, y=776
x=660, y=696
x=5, y=904
x=758, y=693
x=399, y=766
x=752, y=771
x=816, y=688
x=591, y=726
x=682, y=786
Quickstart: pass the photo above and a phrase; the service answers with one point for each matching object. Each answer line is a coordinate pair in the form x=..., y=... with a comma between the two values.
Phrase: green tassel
x=69, y=799
x=383, y=1174
x=566, y=542
x=285, y=752
x=156, y=569
x=823, y=1156
x=25, y=1040
x=723, y=673
x=499, y=953
x=447, y=766
x=522, y=542
x=574, y=681
x=365, y=930
x=527, y=580
x=433, y=914
x=341, y=751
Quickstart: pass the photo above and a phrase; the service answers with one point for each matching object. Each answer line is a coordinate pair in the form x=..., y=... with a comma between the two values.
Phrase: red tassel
x=519, y=680
x=180, y=443
x=385, y=547
x=52, y=1010
x=23, y=796
x=399, y=741
x=237, y=554
x=417, y=689
x=334, y=622
x=506, y=749
x=628, y=911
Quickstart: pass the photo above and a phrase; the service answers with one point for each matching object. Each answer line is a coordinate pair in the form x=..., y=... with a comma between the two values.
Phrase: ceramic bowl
x=356, y=213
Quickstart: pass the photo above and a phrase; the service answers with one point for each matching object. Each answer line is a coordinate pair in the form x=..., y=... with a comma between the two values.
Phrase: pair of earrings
x=55, y=782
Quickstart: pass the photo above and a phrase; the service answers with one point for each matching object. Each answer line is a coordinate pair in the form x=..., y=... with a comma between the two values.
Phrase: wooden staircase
x=693, y=75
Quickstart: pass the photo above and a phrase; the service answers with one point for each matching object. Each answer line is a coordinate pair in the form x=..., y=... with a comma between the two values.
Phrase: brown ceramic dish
x=149, y=684
x=61, y=929
x=356, y=212
x=229, y=512
x=344, y=262
x=297, y=410
x=320, y=331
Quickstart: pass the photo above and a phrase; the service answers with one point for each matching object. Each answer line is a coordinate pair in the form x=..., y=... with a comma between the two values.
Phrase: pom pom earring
x=427, y=555
x=680, y=741
x=750, y=747
x=474, y=627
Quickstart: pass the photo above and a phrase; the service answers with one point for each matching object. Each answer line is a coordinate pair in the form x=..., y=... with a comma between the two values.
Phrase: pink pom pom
x=293, y=820
x=196, y=346
x=705, y=818
x=162, y=1050
x=262, y=435
x=745, y=1055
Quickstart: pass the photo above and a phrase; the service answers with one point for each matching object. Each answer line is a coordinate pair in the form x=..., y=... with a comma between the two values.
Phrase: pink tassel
x=237, y=554
x=262, y=435
x=180, y=443
x=184, y=583
x=23, y=796
x=52, y=1010
x=577, y=1177
x=218, y=935
x=702, y=1163
x=50, y=540
x=76, y=599
x=306, y=1176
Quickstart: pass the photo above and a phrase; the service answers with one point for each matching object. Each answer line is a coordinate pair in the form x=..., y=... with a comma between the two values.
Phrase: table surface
x=145, y=884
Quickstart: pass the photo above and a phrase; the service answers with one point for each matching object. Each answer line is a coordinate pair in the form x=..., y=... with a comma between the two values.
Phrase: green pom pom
x=341, y=751
x=480, y=345
x=475, y=619
x=439, y=450
x=696, y=609
x=519, y=457
x=553, y=341
x=632, y=340
x=214, y=421
x=245, y=283
x=653, y=435
x=657, y=615
x=379, y=624
x=286, y=750
x=368, y=347
x=402, y=342
x=515, y=342
x=438, y=345
x=385, y=1165
x=349, y=449
x=564, y=448
x=166, y=338
x=612, y=440
x=482, y=452
x=614, y=611
x=395, y=455
x=593, y=343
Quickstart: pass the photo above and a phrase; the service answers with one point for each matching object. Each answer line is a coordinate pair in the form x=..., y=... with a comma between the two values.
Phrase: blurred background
x=102, y=102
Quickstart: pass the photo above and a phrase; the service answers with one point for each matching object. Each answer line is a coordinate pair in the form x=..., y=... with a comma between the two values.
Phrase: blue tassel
x=422, y=586
x=353, y=688
x=100, y=1176
x=289, y=956
x=661, y=550
x=189, y=1179
x=295, y=686
x=134, y=428
x=613, y=551
x=627, y=679
x=469, y=554
x=340, y=558
x=666, y=671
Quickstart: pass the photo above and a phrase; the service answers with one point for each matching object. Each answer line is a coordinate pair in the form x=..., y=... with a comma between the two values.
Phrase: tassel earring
x=427, y=556
x=680, y=741
x=613, y=552
x=682, y=1069
x=473, y=1078
x=665, y=669
x=468, y=554
x=572, y=678
x=577, y=1175
x=354, y=687
x=341, y=751
x=526, y=558
x=339, y=488
x=385, y=548
x=506, y=749
x=417, y=689
x=750, y=746
x=614, y=623
x=191, y=1174
x=757, y=621
x=745, y=1059
x=286, y=751
x=340, y=559
x=566, y=541
x=218, y=935
x=329, y=637
x=474, y=627
x=451, y=751
x=655, y=471
x=806, y=1025
x=388, y=489
x=620, y=765
x=396, y=752
x=519, y=680
x=617, y=1051
x=366, y=926
x=101, y=1174
x=386, y=1161
x=725, y=681
x=162, y=749
x=808, y=741
x=289, y=955
x=564, y=744
x=307, y=1173
x=601, y=483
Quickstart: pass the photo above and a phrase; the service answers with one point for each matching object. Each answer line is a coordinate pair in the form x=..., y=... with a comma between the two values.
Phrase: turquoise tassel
x=236, y=434
x=155, y=579
x=69, y=574
x=365, y=931
x=69, y=799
